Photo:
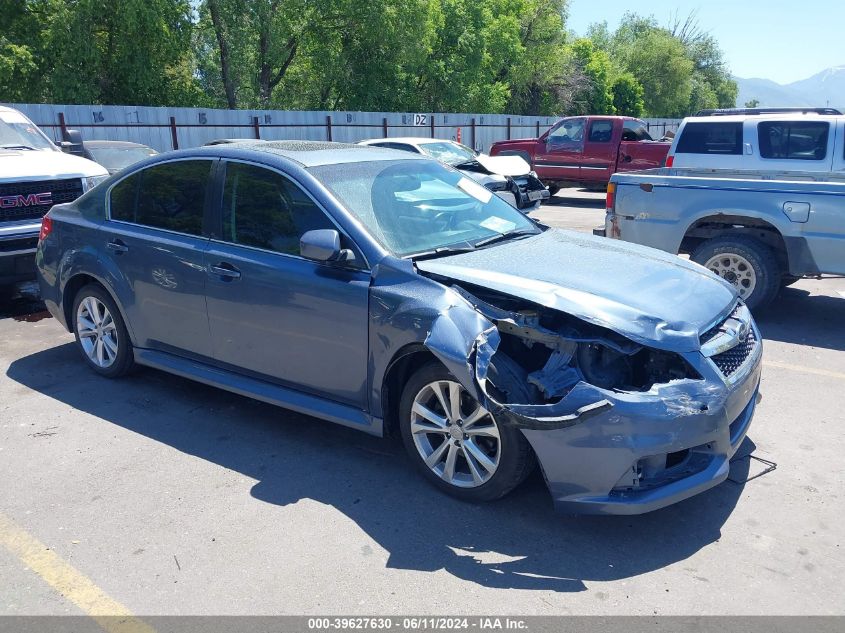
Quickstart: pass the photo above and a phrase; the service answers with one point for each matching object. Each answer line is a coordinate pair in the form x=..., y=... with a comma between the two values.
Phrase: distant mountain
x=826, y=88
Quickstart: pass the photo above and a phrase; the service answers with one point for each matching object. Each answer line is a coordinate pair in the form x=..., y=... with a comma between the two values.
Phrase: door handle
x=225, y=270
x=117, y=246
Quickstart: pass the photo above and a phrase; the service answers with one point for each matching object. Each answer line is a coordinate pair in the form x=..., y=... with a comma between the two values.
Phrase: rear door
x=599, y=159
x=155, y=235
x=560, y=154
x=272, y=313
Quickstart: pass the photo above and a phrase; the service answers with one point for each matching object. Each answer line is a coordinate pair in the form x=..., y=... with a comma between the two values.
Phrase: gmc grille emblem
x=32, y=200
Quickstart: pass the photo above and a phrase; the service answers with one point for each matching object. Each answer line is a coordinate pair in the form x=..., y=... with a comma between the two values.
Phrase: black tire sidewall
x=516, y=459
x=124, y=359
x=761, y=258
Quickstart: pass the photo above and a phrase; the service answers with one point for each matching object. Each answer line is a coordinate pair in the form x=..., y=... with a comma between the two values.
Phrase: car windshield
x=116, y=158
x=448, y=152
x=414, y=207
x=16, y=131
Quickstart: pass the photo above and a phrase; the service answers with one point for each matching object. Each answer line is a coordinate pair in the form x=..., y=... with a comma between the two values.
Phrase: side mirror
x=323, y=245
x=72, y=143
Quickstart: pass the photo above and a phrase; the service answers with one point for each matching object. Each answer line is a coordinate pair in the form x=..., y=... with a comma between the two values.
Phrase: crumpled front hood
x=504, y=165
x=652, y=297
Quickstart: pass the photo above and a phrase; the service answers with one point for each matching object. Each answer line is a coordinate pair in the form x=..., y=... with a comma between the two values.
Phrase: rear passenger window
x=168, y=196
x=262, y=208
x=601, y=131
x=711, y=138
x=793, y=140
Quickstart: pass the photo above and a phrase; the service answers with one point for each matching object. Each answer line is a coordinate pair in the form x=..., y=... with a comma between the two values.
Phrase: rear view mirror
x=323, y=245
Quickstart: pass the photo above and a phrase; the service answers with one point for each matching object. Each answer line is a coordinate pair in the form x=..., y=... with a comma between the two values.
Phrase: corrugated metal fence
x=172, y=128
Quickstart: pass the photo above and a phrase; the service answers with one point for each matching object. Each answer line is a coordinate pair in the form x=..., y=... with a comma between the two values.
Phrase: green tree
x=753, y=103
x=121, y=51
x=628, y=95
x=594, y=67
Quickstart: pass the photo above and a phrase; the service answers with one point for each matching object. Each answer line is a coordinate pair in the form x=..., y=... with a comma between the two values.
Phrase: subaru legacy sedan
x=388, y=292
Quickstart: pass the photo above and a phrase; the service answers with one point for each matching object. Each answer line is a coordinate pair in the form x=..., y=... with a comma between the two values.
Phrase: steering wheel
x=444, y=220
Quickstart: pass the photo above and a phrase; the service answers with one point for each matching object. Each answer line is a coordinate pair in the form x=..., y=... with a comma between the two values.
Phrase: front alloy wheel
x=457, y=438
x=455, y=442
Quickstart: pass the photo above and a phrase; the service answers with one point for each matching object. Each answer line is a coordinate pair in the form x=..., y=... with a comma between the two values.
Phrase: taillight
x=46, y=227
x=670, y=160
x=611, y=195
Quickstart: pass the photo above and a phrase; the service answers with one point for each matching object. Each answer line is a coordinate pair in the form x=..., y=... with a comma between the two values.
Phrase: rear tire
x=748, y=264
x=100, y=333
x=488, y=459
x=553, y=189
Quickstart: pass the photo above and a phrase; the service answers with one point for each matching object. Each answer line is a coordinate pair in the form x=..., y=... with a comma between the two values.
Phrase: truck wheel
x=457, y=444
x=553, y=189
x=748, y=264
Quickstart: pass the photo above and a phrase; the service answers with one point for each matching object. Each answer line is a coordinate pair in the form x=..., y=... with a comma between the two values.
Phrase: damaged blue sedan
x=387, y=292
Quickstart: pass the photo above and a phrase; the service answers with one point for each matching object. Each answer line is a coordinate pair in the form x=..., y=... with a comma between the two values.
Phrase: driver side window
x=568, y=135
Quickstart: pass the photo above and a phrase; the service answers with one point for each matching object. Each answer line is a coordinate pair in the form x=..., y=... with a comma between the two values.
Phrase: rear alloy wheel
x=746, y=263
x=456, y=442
x=100, y=332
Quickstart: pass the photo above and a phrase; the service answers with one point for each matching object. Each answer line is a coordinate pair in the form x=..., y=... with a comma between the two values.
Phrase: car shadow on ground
x=797, y=317
x=561, y=199
x=518, y=542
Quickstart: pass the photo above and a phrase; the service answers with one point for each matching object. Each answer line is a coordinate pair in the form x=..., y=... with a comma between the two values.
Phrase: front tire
x=100, y=332
x=456, y=444
x=748, y=264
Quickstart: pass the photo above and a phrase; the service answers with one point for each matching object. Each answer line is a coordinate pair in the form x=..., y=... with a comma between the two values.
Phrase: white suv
x=806, y=141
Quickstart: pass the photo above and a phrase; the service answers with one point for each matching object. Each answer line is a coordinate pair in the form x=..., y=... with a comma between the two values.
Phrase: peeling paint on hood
x=649, y=296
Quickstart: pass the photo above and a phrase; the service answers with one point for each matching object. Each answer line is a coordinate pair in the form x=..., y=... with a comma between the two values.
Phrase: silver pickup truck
x=760, y=230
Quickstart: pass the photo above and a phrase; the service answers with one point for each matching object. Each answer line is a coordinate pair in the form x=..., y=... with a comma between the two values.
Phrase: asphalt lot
x=164, y=496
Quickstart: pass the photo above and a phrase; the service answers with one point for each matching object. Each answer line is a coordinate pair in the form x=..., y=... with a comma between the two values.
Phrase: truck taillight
x=670, y=160
x=46, y=227
x=611, y=195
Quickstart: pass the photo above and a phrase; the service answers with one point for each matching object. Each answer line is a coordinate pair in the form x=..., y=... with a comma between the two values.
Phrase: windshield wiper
x=18, y=147
x=501, y=237
x=441, y=251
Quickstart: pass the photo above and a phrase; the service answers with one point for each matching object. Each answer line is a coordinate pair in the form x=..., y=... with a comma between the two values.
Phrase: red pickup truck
x=587, y=151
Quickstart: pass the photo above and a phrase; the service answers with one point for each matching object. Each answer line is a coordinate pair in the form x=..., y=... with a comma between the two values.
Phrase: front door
x=559, y=159
x=277, y=315
x=155, y=237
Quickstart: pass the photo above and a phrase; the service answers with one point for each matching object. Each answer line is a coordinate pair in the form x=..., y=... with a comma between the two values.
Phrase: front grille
x=60, y=191
x=728, y=362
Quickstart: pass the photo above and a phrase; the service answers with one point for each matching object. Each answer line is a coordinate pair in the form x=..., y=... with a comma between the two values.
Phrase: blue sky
x=773, y=39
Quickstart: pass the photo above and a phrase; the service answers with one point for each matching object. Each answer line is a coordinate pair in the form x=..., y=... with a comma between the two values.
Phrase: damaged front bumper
x=650, y=450
x=610, y=450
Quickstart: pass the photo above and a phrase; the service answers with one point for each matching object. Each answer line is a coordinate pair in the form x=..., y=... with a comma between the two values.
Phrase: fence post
x=329, y=127
x=256, y=126
x=384, y=127
x=538, y=129
x=509, y=128
x=63, y=125
x=174, y=138
x=472, y=132
x=432, y=126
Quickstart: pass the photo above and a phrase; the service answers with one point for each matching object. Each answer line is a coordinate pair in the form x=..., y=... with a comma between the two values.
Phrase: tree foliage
x=393, y=55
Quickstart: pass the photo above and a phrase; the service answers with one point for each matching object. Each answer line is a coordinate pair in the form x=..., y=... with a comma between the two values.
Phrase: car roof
x=782, y=116
x=312, y=153
x=116, y=144
x=410, y=140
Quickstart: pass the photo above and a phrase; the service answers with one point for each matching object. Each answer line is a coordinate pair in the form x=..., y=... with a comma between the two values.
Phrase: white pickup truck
x=34, y=175
x=762, y=204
